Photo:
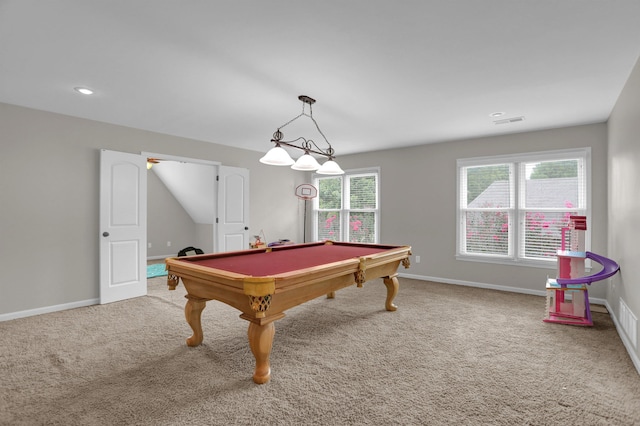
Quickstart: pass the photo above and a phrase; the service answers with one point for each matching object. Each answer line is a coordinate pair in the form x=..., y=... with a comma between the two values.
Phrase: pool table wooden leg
x=261, y=341
x=193, y=312
x=392, y=290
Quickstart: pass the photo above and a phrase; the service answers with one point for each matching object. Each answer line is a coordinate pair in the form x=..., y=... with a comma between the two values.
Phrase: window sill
x=544, y=264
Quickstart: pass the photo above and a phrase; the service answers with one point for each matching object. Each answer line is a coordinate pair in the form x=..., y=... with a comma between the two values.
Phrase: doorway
x=181, y=211
x=123, y=193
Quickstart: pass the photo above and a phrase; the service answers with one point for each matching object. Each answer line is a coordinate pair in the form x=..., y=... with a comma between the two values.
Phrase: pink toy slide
x=576, y=311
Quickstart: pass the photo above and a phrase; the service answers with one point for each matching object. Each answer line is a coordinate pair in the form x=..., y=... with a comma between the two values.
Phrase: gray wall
x=624, y=200
x=167, y=220
x=49, y=182
x=203, y=238
x=418, y=202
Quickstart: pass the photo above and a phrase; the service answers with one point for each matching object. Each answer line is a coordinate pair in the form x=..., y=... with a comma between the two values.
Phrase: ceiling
x=385, y=74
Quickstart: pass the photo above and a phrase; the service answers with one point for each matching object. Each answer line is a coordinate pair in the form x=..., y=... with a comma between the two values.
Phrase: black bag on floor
x=190, y=251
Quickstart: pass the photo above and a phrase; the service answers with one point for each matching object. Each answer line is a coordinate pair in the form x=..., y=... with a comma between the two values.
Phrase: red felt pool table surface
x=263, y=283
x=284, y=259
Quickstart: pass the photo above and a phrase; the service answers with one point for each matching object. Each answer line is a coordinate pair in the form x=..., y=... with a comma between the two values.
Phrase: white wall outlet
x=149, y=245
x=168, y=243
x=417, y=259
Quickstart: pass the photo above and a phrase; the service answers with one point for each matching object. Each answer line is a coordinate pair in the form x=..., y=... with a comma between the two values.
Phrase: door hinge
x=216, y=220
x=217, y=178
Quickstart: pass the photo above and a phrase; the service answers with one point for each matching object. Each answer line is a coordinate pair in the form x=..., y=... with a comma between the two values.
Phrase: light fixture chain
x=292, y=120
x=330, y=150
x=305, y=101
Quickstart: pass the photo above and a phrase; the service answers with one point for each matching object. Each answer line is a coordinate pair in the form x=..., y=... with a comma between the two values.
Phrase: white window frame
x=516, y=209
x=345, y=211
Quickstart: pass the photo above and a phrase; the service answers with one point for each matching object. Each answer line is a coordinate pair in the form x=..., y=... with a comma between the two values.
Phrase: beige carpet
x=449, y=355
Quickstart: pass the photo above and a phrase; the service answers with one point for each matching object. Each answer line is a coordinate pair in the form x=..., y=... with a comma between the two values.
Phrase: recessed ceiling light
x=496, y=114
x=83, y=90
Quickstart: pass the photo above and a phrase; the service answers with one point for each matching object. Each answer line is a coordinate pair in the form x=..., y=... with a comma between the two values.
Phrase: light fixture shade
x=277, y=156
x=330, y=167
x=306, y=163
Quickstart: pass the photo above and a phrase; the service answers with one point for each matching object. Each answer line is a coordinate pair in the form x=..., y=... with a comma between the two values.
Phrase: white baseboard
x=48, y=309
x=543, y=293
x=595, y=301
x=161, y=257
x=625, y=340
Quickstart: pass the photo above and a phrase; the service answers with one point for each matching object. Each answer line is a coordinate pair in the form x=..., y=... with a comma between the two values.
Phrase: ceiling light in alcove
x=151, y=162
x=496, y=114
x=83, y=90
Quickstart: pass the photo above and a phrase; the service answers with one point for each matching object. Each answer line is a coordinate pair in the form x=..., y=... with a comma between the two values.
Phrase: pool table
x=262, y=283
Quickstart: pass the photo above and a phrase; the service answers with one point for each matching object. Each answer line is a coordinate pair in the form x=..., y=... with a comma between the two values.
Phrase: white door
x=123, y=226
x=233, y=209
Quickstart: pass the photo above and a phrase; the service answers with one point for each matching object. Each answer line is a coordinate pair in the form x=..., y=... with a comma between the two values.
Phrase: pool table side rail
x=195, y=258
x=290, y=289
x=179, y=267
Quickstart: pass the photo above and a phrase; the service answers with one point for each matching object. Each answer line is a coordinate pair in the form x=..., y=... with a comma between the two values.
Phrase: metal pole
x=304, y=231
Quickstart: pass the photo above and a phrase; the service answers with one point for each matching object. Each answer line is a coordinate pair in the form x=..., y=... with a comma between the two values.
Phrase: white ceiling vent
x=509, y=120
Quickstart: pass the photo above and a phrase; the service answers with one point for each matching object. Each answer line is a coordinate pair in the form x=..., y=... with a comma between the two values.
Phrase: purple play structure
x=568, y=294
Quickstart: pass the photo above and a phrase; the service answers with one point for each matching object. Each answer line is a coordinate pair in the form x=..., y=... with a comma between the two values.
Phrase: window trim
x=515, y=237
x=345, y=217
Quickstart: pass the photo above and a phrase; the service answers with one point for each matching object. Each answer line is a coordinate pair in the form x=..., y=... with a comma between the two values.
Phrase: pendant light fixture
x=278, y=156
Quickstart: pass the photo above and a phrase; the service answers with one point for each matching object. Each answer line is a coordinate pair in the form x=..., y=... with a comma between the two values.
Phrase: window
x=512, y=209
x=347, y=207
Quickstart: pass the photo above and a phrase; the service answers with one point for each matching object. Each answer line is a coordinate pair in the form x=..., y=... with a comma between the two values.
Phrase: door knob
x=105, y=234
x=246, y=228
